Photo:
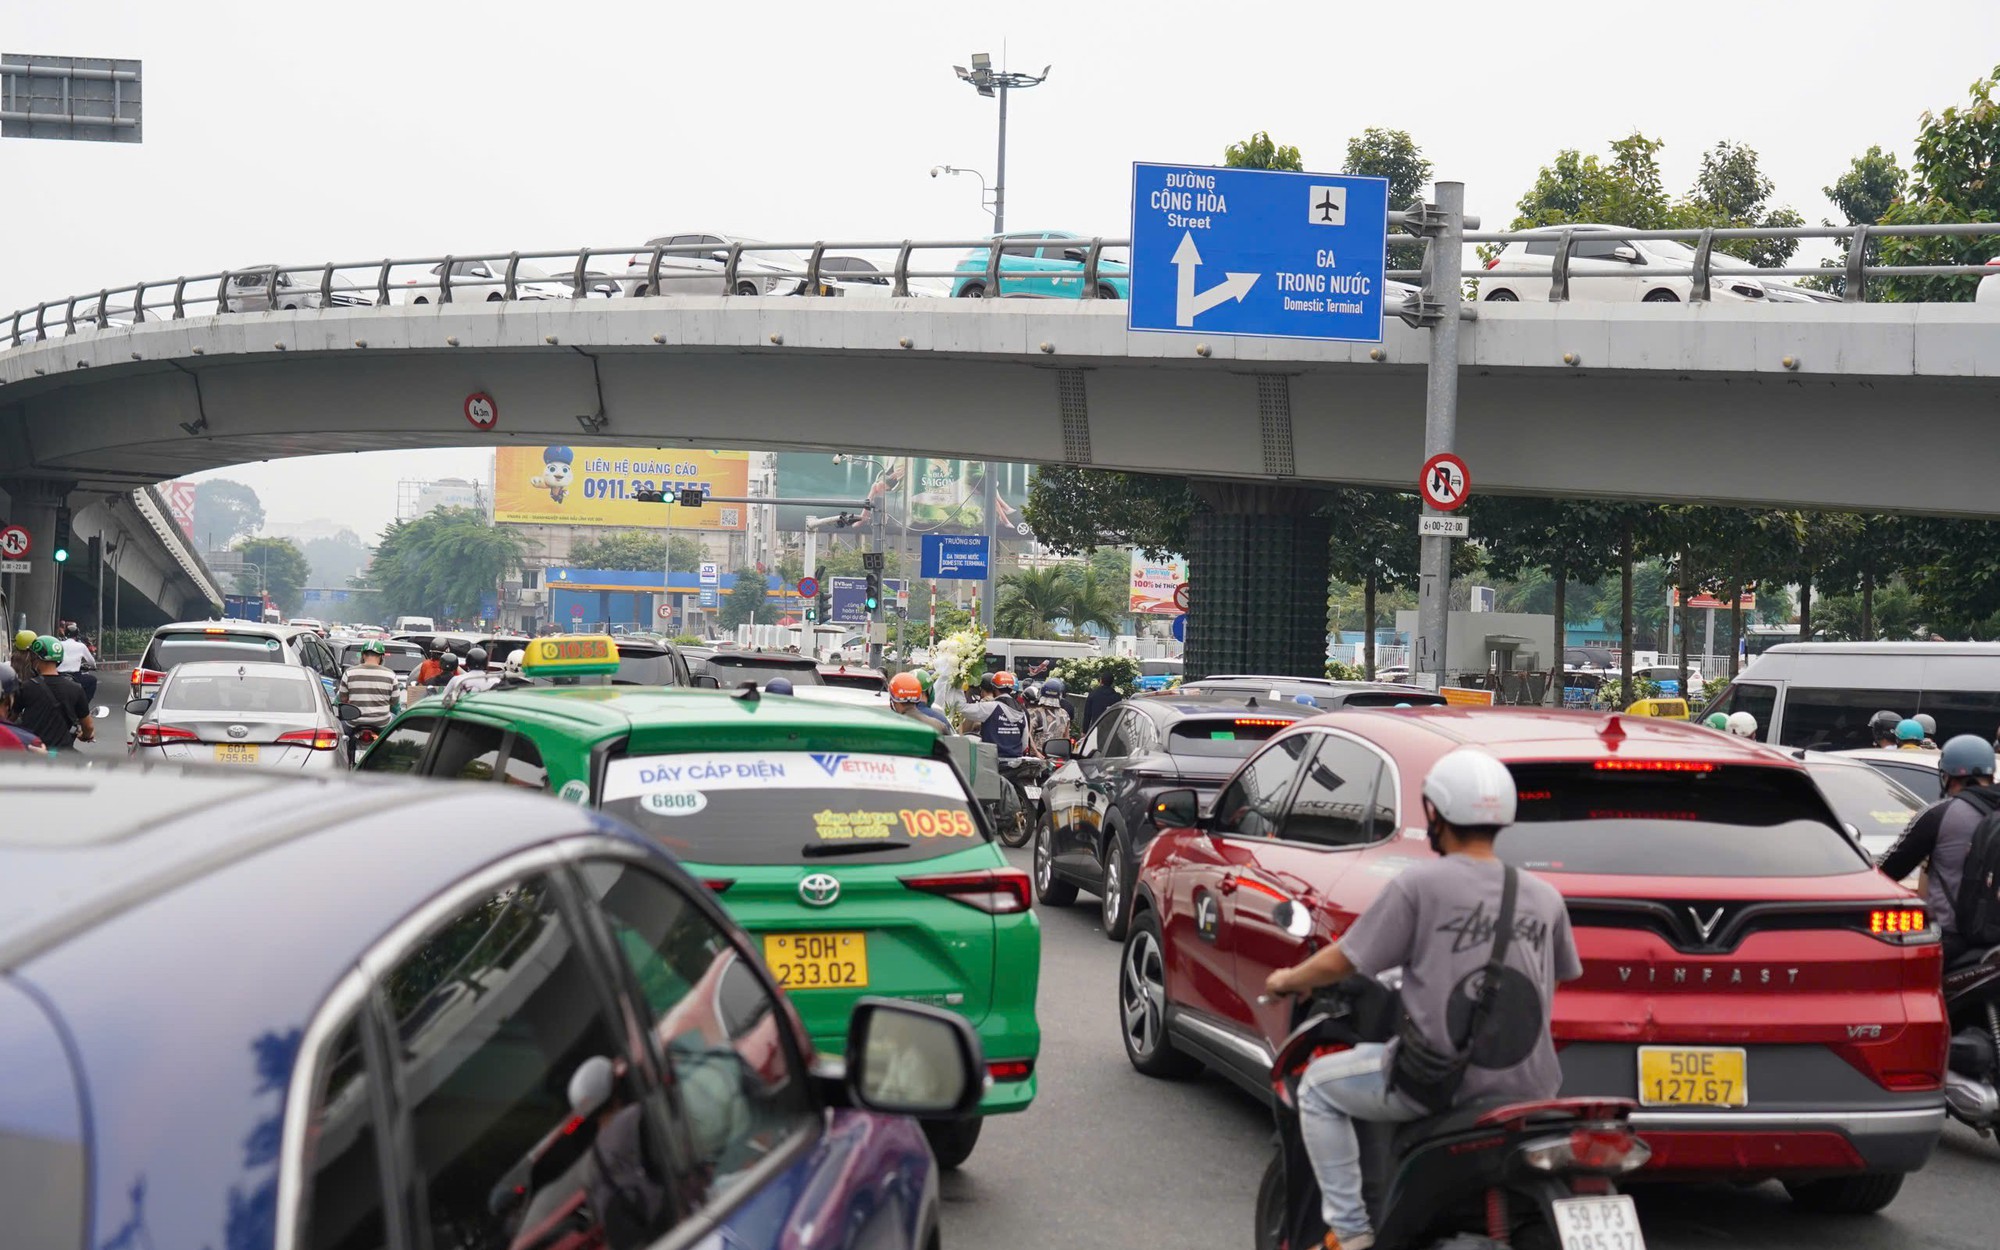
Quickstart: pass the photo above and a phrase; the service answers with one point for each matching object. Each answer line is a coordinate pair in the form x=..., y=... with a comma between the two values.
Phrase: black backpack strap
x=1503, y=938
x=1985, y=798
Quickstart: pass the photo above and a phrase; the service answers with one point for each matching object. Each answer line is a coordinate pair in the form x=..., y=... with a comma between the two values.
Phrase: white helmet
x=1742, y=724
x=513, y=665
x=1470, y=788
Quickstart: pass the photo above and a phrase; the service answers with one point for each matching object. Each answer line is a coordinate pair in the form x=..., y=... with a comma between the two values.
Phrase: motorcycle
x=359, y=739
x=1972, y=1075
x=1020, y=804
x=1492, y=1173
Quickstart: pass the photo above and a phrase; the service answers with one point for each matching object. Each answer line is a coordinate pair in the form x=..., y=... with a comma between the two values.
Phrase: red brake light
x=1896, y=922
x=1246, y=721
x=1595, y=1149
x=1653, y=766
x=157, y=735
x=997, y=891
x=317, y=739
x=1011, y=1069
x=1492, y=261
x=718, y=885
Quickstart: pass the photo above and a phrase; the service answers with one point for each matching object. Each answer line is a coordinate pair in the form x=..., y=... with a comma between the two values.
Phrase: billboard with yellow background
x=559, y=485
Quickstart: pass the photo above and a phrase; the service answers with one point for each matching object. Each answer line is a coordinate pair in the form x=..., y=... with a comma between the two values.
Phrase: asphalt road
x=1109, y=1158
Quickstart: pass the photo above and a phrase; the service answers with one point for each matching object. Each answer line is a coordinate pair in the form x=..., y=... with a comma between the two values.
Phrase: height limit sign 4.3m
x=1259, y=252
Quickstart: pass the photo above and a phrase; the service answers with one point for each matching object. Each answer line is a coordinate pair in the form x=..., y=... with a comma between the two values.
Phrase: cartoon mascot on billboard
x=555, y=474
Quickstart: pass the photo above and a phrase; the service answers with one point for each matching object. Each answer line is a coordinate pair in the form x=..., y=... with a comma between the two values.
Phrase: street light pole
x=988, y=82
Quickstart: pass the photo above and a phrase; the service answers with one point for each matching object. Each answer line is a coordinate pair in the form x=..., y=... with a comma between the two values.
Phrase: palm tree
x=1092, y=599
x=1029, y=600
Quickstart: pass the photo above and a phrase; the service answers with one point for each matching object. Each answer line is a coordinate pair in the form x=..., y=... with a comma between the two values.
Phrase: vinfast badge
x=1257, y=252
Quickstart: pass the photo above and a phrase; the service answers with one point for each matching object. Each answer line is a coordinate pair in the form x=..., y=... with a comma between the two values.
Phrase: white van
x=1821, y=694
x=413, y=625
x=1033, y=659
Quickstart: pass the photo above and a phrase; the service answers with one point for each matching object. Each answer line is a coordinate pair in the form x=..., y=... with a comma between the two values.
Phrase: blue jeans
x=1335, y=1091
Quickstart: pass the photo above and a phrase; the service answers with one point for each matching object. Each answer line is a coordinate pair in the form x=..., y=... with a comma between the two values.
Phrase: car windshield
x=1673, y=818
x=246, y=689
x=731, y=670
x=1876, y=806
x=404, y=660
x=793, y=807
x=169, y=650
x=1222, y=737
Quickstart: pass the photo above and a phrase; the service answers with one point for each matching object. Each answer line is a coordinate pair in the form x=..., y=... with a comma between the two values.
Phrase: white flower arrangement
x=959, y=660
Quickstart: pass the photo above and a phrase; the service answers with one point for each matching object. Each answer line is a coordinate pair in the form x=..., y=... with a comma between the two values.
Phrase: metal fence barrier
x=739, y=268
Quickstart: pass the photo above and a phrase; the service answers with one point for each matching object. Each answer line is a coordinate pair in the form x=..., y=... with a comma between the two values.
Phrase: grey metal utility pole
x=989, y=497
x=1444, y=223
x=988, y=82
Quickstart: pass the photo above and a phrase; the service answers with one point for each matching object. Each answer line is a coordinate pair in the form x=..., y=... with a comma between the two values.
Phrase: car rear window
x=168, y=650
x=645, y=668
x=1673, y=818
x=793, y=807
x=399, y=661
x=731, y=670
x=1392, y=698
x=855, y=681
x=246, y=690
x=1227, y=737
x=1866, y=799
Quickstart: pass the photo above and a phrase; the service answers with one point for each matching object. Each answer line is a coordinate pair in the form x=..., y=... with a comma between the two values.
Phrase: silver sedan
x=228, y=712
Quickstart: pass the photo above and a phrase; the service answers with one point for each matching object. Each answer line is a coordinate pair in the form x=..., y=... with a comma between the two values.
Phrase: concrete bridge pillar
x=1257, y=576
x=32, y=506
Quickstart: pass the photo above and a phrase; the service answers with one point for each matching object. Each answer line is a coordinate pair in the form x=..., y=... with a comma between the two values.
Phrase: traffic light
x=94, y=551
x=59, y=550
x=823, y=604
x=872, y=597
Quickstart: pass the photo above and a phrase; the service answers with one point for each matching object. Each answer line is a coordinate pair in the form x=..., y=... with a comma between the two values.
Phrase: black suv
x=1326, y=693
x=1098, y=804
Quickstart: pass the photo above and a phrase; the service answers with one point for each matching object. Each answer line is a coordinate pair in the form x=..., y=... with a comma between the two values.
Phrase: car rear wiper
x=817, y=849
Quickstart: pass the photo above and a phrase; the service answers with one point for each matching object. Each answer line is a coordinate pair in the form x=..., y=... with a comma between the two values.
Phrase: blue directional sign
x=1259, y=252
x=1180, y=628
x=955, y=555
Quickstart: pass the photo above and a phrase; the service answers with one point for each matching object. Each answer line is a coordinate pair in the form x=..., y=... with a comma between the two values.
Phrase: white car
x=1988, y=292
x=252, y=290
x=475, y=280
x=1604, y=265
x=698, y=268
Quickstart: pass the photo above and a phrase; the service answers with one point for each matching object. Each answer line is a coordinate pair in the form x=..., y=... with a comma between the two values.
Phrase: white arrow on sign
x=1191, y=305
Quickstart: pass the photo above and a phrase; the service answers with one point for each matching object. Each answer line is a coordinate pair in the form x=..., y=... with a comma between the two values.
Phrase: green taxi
x=843, y=838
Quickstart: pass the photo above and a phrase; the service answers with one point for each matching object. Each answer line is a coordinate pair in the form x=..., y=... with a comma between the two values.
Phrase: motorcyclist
x=1436, y=921
x=513, y=673
x=906, y=695
x=1941, y=834
x=78, y=664
x=49, y=704
x=474, y=676
x=1910, y=735
x=371, y=687
x=13, y=737
x=1005, y=727
x=432, y=663
x=1741, y=724
x=1048, y=719
x=1882, y=727
x=1929, y=724
x=1717, y=720
x=447, y=668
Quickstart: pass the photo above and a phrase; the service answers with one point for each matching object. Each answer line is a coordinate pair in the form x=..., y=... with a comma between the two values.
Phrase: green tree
x=1567, y=539
x=1374, y=546
x=1951, y=180
x=442, y=564
x=1732, y=191
x=1872, y=183
x=1092, y=596
x=1030, y=600
x=745, y=600
x=1074, y=509
x=1258, y=152
x=1626, y=190
x=224, y=509
x=638, y=551
x=1872, y=550
x=1893, y=612
x=1392, y=154
x=285, y=570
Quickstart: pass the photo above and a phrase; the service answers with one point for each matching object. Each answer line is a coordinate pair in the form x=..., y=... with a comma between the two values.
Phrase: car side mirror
x=1177, y=809
x=721, y=254
x=1059, y=749
x=139, y=706
x=906, y=1058
x=349, y=712
x=1630, y=255
x=706, y=682
x=1076, y=254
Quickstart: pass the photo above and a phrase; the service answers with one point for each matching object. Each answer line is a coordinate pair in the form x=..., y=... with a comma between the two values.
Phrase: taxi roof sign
x=571, y=655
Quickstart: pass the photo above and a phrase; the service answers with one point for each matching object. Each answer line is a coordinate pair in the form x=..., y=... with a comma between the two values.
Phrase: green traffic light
x=62, y=554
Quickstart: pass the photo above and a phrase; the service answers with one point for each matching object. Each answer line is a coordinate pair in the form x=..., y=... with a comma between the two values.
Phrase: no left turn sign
x=1444, y=484
x=13, y=542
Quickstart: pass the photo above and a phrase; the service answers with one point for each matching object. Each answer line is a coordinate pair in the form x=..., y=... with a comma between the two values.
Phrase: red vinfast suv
x=1769, y=999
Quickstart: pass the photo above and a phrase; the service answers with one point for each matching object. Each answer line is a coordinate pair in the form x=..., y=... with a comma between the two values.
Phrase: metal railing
x=741, y=268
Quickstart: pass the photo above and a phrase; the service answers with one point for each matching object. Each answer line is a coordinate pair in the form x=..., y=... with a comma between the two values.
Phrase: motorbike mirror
x=349, y=712
x=100, y=712
x=1293, y=919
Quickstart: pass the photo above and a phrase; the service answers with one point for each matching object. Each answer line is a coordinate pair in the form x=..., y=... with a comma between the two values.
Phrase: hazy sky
x=308, y=132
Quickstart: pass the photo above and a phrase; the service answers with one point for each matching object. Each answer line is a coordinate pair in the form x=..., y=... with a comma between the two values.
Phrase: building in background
x=420, y=498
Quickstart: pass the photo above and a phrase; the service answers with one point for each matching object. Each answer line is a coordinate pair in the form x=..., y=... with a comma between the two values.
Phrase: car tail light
x=1897, y=923
x=1010, y=1069
x=1653, y=766
x=146, y=677
x=317, y=739
x=1492, y=261
x=159, y=735
x=1607, y=1150
x=718, y=885
x=998, y=891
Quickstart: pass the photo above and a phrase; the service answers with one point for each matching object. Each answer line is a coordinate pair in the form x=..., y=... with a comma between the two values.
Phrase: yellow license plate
x=235, y=753
x=818, y=961
x=1692, y=1076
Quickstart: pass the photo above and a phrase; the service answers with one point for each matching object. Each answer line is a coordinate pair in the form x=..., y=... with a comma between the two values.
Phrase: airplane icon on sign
x=1327, y=208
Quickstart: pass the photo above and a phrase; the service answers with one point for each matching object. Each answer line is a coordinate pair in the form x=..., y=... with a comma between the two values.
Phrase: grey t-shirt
x=1437, y=922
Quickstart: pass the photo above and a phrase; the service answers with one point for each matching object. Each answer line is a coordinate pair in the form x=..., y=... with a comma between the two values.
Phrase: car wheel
x=972, y=290
x=641, y=291
x=1049, y=890
x=1142, y=1003
x=1107, y=292
x=1503, y=297
x=494, y=297
x=952, y=1140
x=1116, y=898
x=1661, y=297
x=420, y=300
x=1847, y=1195
x=750, y=288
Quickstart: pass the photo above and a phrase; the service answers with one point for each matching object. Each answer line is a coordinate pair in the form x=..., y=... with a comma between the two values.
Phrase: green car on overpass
x=842, y=838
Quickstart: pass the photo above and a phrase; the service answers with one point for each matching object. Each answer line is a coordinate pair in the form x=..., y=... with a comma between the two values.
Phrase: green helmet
x=24, y=640
x=373, y=647
x=1716, y=720
x=928, y=681
x=46, y=648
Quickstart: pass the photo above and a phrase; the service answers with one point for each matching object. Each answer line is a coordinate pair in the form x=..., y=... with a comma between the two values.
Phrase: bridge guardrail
x=334, y=284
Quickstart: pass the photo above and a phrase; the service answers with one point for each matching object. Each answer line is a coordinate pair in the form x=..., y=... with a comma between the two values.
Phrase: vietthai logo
x=829, y=761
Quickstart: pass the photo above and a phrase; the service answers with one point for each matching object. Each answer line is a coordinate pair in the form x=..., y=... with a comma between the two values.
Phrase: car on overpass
x=473, y=281
x=699, y=267
x=1605, y=264
x=1040, y=262
x=1727, y=924
x=535, y=998
x=263, y=288
x=845, y=839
